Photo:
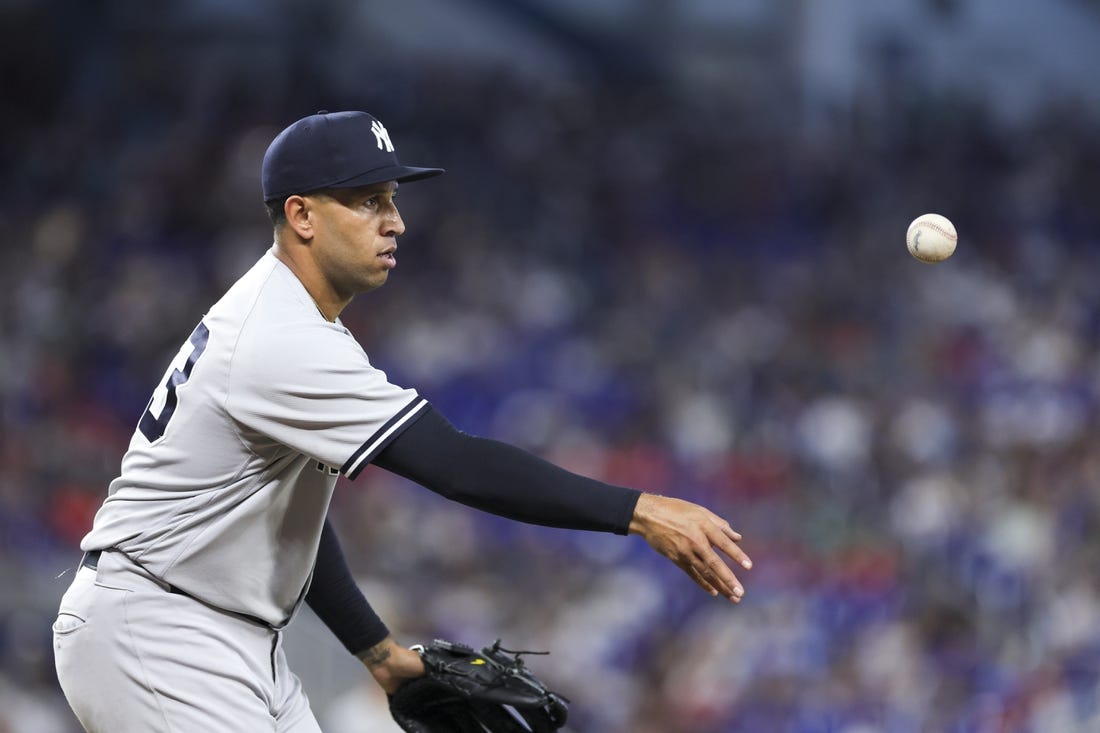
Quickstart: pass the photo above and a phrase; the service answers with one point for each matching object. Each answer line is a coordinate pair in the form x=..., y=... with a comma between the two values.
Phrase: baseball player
x=215, y=531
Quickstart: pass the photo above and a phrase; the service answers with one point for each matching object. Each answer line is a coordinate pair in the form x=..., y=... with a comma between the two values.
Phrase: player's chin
x=375, y=279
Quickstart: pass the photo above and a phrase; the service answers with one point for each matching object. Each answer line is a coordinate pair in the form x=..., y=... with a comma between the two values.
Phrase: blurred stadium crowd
x=677, y=293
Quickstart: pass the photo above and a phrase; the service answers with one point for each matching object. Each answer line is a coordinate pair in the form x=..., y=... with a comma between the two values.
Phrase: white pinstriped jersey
x=225, y=486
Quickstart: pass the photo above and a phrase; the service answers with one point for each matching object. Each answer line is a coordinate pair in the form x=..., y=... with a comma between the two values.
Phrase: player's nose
x=393, y=225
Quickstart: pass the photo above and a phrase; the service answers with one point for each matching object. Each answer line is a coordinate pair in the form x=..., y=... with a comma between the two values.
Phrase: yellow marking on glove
x=477, y=661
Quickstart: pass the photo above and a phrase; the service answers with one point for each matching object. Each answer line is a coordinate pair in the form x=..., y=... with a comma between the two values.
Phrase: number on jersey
x=162, y=405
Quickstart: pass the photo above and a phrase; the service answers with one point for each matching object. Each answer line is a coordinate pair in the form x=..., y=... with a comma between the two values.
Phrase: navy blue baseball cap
x=333, y=150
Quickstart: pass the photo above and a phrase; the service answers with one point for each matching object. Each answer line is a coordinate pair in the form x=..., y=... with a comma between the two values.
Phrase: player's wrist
x=391, y=665
x=641, y=519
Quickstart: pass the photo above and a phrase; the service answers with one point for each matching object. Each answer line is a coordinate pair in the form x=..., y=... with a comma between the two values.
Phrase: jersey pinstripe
x=225, y=485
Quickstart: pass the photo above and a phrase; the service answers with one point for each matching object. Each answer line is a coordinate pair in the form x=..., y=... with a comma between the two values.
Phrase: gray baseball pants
x=133, y=657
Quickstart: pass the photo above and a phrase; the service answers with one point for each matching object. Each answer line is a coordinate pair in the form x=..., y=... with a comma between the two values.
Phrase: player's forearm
x=336, y=599
x=505, y=480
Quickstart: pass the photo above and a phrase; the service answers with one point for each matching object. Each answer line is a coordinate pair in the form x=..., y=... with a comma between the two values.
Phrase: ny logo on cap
x=381, y=136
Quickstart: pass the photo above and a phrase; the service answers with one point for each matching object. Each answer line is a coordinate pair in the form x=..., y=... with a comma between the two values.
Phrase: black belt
x=91, y=559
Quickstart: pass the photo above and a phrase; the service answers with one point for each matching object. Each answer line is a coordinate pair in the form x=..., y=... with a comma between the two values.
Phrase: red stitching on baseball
x=941, y=230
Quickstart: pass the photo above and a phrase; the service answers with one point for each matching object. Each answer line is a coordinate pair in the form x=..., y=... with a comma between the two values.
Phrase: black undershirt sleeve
x=479, y=472
x=337, y=600
x=501, y=479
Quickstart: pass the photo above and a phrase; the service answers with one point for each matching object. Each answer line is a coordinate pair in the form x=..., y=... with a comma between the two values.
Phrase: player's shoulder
x=268, y=282
x=278, y=326
x=269, y=300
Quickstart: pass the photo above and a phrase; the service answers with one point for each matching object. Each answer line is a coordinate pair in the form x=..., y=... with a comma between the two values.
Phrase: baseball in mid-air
x=931, y=238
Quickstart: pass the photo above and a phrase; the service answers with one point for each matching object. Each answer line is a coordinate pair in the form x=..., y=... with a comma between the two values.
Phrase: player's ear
x=297, y=208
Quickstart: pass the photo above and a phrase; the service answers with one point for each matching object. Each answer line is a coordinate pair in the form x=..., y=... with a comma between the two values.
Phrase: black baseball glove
x=464, y=691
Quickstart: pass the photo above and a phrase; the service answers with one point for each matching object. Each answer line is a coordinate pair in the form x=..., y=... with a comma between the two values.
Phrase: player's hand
x=692, y=537
x=392, y=665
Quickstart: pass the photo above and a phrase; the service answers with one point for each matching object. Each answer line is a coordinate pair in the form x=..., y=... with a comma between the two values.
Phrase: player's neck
x=329, y=305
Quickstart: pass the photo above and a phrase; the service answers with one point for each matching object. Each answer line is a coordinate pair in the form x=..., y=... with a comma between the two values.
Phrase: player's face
x=355, y=236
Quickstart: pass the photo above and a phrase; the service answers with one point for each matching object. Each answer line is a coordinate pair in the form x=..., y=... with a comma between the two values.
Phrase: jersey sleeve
x=312, y=388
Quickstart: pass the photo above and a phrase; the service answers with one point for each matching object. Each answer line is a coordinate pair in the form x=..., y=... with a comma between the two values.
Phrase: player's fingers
x=699, y=579
x=726, y=529
x=715, y=571
x=703, y=580
x=724, y=542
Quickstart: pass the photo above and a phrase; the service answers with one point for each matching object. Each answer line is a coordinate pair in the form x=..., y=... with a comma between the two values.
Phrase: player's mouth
x=388, y=256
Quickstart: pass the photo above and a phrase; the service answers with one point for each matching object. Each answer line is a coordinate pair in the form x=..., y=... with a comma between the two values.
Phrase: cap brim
x=417, y=174
x=399, y=173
